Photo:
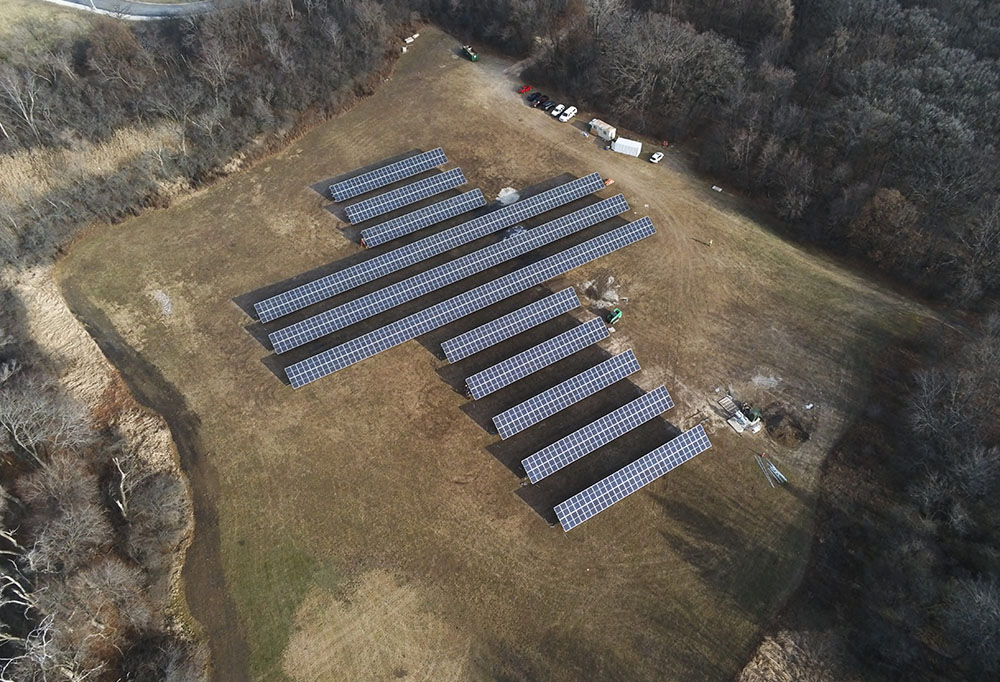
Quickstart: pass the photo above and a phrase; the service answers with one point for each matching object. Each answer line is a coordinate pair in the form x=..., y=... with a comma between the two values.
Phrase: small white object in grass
x=585, y=133
x=407, y=40
x=716, y=188
x=166, y=306
x=809, y=406
x=404, y=49
x=416, y=35
x=508, y=195
x=611, y=330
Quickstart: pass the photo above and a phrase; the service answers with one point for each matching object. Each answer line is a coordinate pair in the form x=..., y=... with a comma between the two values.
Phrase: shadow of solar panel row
x=422, y=283
x=422, y=249
x=386, y=175
x=569, y=392
x=456, y=307
x=511, y=324
x=538, y=357
x=404, y=196
x=630, y=478
x=565, y=451
x=421, y=218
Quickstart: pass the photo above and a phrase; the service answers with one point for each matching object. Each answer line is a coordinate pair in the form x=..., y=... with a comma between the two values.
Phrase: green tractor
x=470, y=53
x=614, y=315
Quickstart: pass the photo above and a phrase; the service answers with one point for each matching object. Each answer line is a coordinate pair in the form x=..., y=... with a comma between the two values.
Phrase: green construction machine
x=470, y=53
x=614, y=316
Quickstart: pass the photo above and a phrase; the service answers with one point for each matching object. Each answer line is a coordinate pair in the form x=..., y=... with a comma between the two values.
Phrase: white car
x=558, y=110
x=656, y=157
x=568, y=114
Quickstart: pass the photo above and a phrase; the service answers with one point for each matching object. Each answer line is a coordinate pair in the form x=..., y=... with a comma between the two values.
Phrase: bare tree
x=600, y=11
x=19, y=92
x=76, y=536
x=35, y=417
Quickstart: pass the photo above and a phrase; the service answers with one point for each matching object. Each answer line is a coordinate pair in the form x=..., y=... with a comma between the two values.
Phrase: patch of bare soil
x=783, y=426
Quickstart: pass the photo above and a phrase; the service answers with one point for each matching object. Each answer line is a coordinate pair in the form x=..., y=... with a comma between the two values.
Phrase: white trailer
x=603, y=130
x=625, y=146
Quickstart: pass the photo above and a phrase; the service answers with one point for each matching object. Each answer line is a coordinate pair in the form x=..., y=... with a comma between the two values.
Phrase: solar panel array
x=404, y=196
x=511, y=324
x=456, y=307
x=627, y=480
x=565, y=451
x=422, y=249
x=422, y=283
x=569, y=392
x=538, y=357
x=421, y=218
x=386, y=175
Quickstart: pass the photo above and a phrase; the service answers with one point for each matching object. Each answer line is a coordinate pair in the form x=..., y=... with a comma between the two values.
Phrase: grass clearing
x=57, y=22
x=376, y=492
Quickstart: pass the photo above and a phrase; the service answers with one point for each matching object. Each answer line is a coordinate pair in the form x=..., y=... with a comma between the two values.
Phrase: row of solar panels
x=557, y=455
x=392, y=261
x=583, y=441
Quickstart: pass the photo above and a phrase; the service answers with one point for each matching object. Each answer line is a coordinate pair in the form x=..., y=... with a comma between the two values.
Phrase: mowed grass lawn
x=370, y=528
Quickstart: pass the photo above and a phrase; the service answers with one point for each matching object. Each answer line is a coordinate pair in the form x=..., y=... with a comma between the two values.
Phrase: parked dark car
x=534, y=97
x=548, y=105
x=540, y=101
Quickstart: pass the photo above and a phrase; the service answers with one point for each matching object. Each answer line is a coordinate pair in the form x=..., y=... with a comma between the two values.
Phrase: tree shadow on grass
x=728, y=559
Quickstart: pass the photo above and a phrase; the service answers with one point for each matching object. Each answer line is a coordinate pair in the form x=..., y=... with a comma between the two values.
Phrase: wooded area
x=867, y=126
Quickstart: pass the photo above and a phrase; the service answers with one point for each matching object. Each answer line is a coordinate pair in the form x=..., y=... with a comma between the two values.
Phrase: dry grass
x=384, y=469
x=58, y=21
x=379, y=631
x=31, y=175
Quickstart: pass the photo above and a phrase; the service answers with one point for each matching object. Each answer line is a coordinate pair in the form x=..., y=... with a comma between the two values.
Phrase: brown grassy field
x=59, y=20
x=368, y=526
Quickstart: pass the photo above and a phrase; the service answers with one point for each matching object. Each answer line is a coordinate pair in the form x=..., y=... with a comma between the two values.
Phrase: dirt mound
x=783, y=427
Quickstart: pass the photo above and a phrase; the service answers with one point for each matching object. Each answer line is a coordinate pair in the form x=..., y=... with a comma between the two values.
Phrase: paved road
x=143, y=10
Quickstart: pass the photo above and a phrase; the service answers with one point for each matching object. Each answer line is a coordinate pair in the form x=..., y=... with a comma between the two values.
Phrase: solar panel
x=404, y=196
x=511, y=324
x=538, y=357
x=422, y=249
x=631, y=478
x=421, y=218
x=386, y=175
x=565, y=451
x=569, y=392
x=456, y=307
x=422, y=283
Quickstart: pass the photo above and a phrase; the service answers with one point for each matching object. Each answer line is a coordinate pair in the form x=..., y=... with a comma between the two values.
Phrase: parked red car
x=524, y=89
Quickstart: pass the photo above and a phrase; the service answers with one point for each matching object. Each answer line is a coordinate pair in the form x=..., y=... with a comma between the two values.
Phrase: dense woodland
x=867, y=126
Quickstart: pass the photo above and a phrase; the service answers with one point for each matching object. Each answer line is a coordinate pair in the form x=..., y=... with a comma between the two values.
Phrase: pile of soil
x=783, y=427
